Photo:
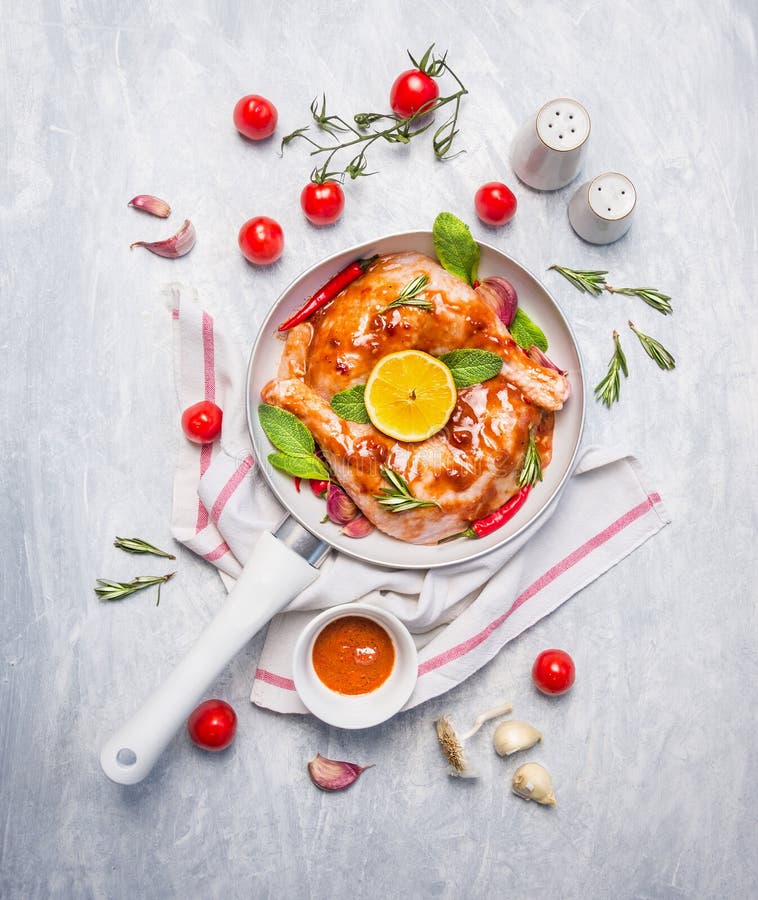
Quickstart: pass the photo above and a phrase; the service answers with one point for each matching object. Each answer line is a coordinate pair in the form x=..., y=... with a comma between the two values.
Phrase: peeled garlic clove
x=532, y=782
x=177, y=245
x=501, y=296
x=153, y=205
x=511, y=736
x=339, y=505
x=359, y=527
x=333, y=774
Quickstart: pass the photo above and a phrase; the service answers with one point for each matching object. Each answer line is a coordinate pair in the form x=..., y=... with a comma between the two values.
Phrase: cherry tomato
x=495, y=203
x=202, y=422
x=255, y=117
x=553, y=672
x=261, y=240
x=212, y=725
x=413, y=91
x=322, y=203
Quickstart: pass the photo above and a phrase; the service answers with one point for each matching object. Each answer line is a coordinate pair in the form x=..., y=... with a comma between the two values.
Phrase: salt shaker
x=548, y=149
x=601, y=210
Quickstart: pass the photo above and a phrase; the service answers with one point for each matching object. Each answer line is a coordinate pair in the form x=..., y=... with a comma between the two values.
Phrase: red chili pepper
x=494, y=520
x=319, y=488
x=330, y=290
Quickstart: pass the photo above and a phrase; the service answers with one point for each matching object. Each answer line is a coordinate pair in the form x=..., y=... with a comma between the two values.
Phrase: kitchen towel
x=460, y=616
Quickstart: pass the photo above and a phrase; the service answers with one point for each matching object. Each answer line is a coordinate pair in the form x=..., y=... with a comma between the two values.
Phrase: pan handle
x=273, y=576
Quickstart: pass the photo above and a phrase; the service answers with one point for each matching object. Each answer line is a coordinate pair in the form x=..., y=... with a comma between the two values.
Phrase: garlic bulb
x=512, y=736
x=452, y=742
x=532, y=782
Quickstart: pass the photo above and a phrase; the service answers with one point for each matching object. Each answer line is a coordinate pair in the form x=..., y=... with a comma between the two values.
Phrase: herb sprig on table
x=357, y=136
x=592, y=281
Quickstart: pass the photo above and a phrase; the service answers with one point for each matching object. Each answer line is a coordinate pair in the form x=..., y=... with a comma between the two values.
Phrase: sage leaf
x=457, y=250
x=472, y=366
x=525, y=332
x=349, y=404
x=299, y=466
x=285, y=431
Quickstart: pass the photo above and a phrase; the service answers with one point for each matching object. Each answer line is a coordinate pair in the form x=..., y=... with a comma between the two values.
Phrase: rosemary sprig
x=398, y=497
x=588, y=281
x=409, y=296
x=655, y=350
x=593, y=282
x=609, y=389
x=136, y=545
x=398, y=130
x=531, y=468
x=658, y=300
x=117, y=590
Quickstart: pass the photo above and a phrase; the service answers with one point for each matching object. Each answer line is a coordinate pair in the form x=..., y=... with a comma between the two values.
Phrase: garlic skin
x=501, y=295
x=532, y=782
x=339, y=505
x=149, y=204
x=177, y=245
x=334, y=774
x=512, y=736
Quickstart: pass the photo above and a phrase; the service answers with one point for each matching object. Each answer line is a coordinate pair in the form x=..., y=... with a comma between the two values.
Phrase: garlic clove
x=501, y=295
x=339, y=505
x=512, y=736
x=334, y=774
x=177, y=245
x=153, y=205
x=532, y=782
x=359, y=527
x=536, y=355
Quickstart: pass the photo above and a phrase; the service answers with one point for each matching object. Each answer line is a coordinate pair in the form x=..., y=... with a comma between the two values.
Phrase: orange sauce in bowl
x=353, y=655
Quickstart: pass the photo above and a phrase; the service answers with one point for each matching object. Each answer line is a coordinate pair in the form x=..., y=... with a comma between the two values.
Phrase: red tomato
x=553, y=672
x=202, y=422
x=255, y=117
x=261, y=240
x=322, y=203
x=413, y=91
x=212, y=725
x=495, y=203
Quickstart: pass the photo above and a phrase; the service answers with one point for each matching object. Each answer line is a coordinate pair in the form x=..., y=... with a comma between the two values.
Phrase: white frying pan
x=284, y=564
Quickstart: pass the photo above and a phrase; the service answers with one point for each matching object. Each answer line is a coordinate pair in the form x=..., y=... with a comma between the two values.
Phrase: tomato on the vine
x=413, y=91
x=201, y=422
x=495, y=203
x=322, y=203
x=261, y=240
x=212, y=725
x=553, y=672
x=255, y=117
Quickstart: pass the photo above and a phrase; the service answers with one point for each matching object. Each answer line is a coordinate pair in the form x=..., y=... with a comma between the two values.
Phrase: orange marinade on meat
x=470, y=467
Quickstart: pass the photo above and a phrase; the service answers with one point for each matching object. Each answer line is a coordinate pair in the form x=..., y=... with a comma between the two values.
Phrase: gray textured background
x=653, y=753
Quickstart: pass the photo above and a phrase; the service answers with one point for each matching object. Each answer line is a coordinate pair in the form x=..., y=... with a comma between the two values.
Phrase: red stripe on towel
x=230, y=487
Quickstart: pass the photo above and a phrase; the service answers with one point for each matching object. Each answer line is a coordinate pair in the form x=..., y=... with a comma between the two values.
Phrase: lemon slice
x=410, y=395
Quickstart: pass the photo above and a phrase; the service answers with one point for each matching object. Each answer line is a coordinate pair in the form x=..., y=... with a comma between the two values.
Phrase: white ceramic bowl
x=356, y=710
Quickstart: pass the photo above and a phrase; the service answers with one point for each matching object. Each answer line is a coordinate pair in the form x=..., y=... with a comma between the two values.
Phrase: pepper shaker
x=549, y=148
x=601, y=210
